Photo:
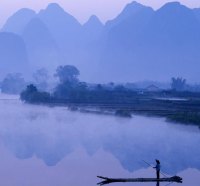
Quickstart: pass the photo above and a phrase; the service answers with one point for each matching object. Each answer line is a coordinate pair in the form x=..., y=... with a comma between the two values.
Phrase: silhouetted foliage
x=13, y=84
x=119, y=98
x=69, y=87
x=32, y=95
x=178, y=84
x=31, y=89
x=67, y=73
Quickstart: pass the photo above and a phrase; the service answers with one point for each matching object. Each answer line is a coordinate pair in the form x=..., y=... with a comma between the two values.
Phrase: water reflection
x=93, y=143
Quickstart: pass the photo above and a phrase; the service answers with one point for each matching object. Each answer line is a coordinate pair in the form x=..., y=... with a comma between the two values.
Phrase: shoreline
x=184, y=117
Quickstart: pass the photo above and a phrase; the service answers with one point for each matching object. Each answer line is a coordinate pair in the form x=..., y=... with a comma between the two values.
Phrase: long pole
x=153, y=168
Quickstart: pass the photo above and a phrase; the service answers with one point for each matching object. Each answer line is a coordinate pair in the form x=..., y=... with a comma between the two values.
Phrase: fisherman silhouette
x=157, y=167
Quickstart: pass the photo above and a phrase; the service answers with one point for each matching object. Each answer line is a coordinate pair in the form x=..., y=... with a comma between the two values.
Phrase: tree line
x=71, y=90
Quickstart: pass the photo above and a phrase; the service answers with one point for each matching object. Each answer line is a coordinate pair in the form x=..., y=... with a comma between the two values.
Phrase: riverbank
x=187, y=113
x=179, y=111
x=182, y=107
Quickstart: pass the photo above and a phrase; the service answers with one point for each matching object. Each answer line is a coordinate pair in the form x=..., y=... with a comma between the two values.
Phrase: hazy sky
x=82, y=9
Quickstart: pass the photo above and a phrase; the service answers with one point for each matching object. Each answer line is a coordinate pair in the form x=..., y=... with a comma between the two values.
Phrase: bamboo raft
x=106, y=180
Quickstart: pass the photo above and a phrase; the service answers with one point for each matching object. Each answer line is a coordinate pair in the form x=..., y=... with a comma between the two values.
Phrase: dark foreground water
x=42, y=146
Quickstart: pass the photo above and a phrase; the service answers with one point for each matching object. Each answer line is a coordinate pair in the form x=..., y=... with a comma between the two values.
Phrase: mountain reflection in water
x=76, y=147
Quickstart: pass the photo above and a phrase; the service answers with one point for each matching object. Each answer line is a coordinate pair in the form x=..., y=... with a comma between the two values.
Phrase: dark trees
x=67, y=73
x=178, y=84
x=69, y=87
x=32, y=95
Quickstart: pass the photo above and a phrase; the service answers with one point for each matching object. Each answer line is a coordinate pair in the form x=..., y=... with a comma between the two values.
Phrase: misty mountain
x=197, y=13
x=76, y=42
x=65, y=29
x=93, y=28
x=171, y=42
x=13, y=54
x=67, y=33
x=174, y=23
x=130, y=14
x=139, y=44
x=41, y=47
x=122, y=38
x=154, y=45
x=17, y=22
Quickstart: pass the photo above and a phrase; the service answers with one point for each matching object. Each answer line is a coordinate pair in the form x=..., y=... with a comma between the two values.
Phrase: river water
x=52, y=146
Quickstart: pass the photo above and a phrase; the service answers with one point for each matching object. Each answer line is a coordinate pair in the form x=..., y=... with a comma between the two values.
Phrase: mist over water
x=56, y=141
x=140, y=49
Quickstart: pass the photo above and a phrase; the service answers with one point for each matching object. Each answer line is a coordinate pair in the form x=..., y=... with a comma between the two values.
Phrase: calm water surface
x=42, y=146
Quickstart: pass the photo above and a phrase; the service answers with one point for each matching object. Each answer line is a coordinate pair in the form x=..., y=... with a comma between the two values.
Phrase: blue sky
x=82, y=9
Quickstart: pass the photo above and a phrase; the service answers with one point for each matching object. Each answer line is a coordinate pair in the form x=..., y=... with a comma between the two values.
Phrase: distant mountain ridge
x=131, y=10
x=140, y=43
x=93, y=27
x=13, y=54
x=17, y=22
x=41, y=47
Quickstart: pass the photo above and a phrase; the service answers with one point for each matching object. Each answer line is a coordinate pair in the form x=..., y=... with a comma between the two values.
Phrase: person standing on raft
x=157, y=167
